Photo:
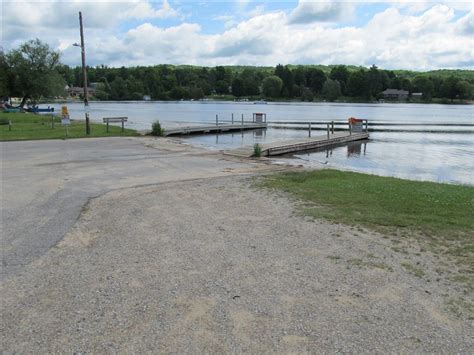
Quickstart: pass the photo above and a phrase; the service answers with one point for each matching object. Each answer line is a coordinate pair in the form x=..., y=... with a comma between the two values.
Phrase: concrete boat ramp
x=293, y=146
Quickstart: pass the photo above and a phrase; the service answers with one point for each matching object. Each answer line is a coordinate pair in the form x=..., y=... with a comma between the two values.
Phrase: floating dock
x=293, y=146
x=202, y=129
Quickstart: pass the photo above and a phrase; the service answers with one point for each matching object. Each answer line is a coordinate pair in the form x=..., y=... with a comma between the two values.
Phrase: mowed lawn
x=27, y=126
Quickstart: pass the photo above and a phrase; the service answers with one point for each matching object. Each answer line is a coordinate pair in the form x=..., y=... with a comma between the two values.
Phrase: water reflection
x=355, y=149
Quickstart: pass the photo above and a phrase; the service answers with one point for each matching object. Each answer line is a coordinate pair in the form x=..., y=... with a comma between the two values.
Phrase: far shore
x=232, y=100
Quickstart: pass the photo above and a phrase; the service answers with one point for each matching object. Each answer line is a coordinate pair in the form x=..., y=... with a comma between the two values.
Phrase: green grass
x=439, y=216
x=27, y=126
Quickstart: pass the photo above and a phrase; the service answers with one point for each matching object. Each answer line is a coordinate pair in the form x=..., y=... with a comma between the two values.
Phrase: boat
x=37, y=109
x=11, y=110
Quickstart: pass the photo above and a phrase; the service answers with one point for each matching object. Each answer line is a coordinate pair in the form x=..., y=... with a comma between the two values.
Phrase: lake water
x=432, y=142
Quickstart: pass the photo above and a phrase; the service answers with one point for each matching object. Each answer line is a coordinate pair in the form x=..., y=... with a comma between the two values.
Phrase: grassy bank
x=438, y=216
x=26, y=126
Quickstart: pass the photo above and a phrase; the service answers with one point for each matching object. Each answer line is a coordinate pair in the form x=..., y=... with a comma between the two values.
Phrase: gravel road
x=216, y=265
x=45, y=184
x=145, y=245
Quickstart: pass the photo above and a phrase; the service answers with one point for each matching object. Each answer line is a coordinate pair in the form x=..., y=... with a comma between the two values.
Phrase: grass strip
x=28, y=126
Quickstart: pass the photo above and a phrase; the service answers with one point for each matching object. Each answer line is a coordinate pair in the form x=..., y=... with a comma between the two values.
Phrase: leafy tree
x=377, y=81
x=251, y=82
x=464, y=89
x=424, y=85
x=178, y=93
x=238, y=87
x=284, y=73
x=449, y=88
x=134, y=88
x=34, y=71
x=119, y=89
x=357, y=84
x=331, y=89
x=307, y=95
x=196, y=93
x=315, y=79
x=272, y=86
x=299, y=76
x=341, y=74
x=4, y=73
x=222, y=87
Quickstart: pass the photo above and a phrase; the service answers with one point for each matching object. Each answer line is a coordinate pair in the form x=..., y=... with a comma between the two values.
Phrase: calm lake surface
x=431, y=142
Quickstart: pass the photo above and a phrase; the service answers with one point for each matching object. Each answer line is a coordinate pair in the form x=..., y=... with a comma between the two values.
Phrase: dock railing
x=328, y=126
x=257, y=118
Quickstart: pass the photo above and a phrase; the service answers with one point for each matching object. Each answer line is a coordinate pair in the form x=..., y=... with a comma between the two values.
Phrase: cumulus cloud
x=466, y=24
x=309, y=11
x=393, y=38
x=61, y=15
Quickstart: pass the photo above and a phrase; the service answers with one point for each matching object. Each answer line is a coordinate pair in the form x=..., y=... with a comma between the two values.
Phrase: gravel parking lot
x=207, y=264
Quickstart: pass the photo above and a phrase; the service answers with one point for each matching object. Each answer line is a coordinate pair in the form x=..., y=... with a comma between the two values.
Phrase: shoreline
x=250, y=102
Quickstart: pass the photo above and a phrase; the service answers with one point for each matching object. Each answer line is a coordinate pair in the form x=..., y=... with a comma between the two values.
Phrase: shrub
x=156, y=129
x=257, y=150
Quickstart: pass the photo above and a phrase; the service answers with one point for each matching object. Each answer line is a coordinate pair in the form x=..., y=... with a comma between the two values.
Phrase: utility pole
x=84, y=72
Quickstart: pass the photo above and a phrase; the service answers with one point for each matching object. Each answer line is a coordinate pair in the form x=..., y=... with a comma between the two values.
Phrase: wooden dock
x=293, y=146
x=222, y=127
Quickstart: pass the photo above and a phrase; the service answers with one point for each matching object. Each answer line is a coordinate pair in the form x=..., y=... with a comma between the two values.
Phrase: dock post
x=9, y=125
x=217, y=120
x=123, y=124
x=366, y=126
x=107, y=129
x=332, y=127
x=242, y=120
x=328, y=129
x=309, y=129
x=350, y=128
x=232, y=118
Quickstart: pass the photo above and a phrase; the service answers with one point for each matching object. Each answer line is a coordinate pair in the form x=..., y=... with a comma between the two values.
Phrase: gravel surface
x=216, y=265
x=45, y=184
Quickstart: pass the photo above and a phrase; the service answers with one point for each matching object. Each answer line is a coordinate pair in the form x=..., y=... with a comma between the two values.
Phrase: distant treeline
x=33, y=71
x=305, y=82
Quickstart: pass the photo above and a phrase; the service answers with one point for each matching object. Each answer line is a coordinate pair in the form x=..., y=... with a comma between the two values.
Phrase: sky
x=413, y=35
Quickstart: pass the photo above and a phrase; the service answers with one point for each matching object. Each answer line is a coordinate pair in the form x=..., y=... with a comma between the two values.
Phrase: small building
x=417, y=95
x=76, y=91
x=395, y=94
x=146, y=98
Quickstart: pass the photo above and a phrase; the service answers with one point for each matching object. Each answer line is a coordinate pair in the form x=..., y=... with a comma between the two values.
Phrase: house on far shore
x=75, y=91
x=417, y=95
x=395, y=94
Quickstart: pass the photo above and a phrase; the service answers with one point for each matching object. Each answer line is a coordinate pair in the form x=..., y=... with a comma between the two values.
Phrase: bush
x=156, y=129
x=257, y=150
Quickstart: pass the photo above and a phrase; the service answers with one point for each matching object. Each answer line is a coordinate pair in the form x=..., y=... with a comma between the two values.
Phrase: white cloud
x=391, y=39
x=309, y=11
x=417, y=6
x=466, y=24
x=60, y=15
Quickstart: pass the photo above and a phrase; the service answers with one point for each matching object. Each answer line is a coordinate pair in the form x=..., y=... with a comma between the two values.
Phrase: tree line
x=33, y=70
